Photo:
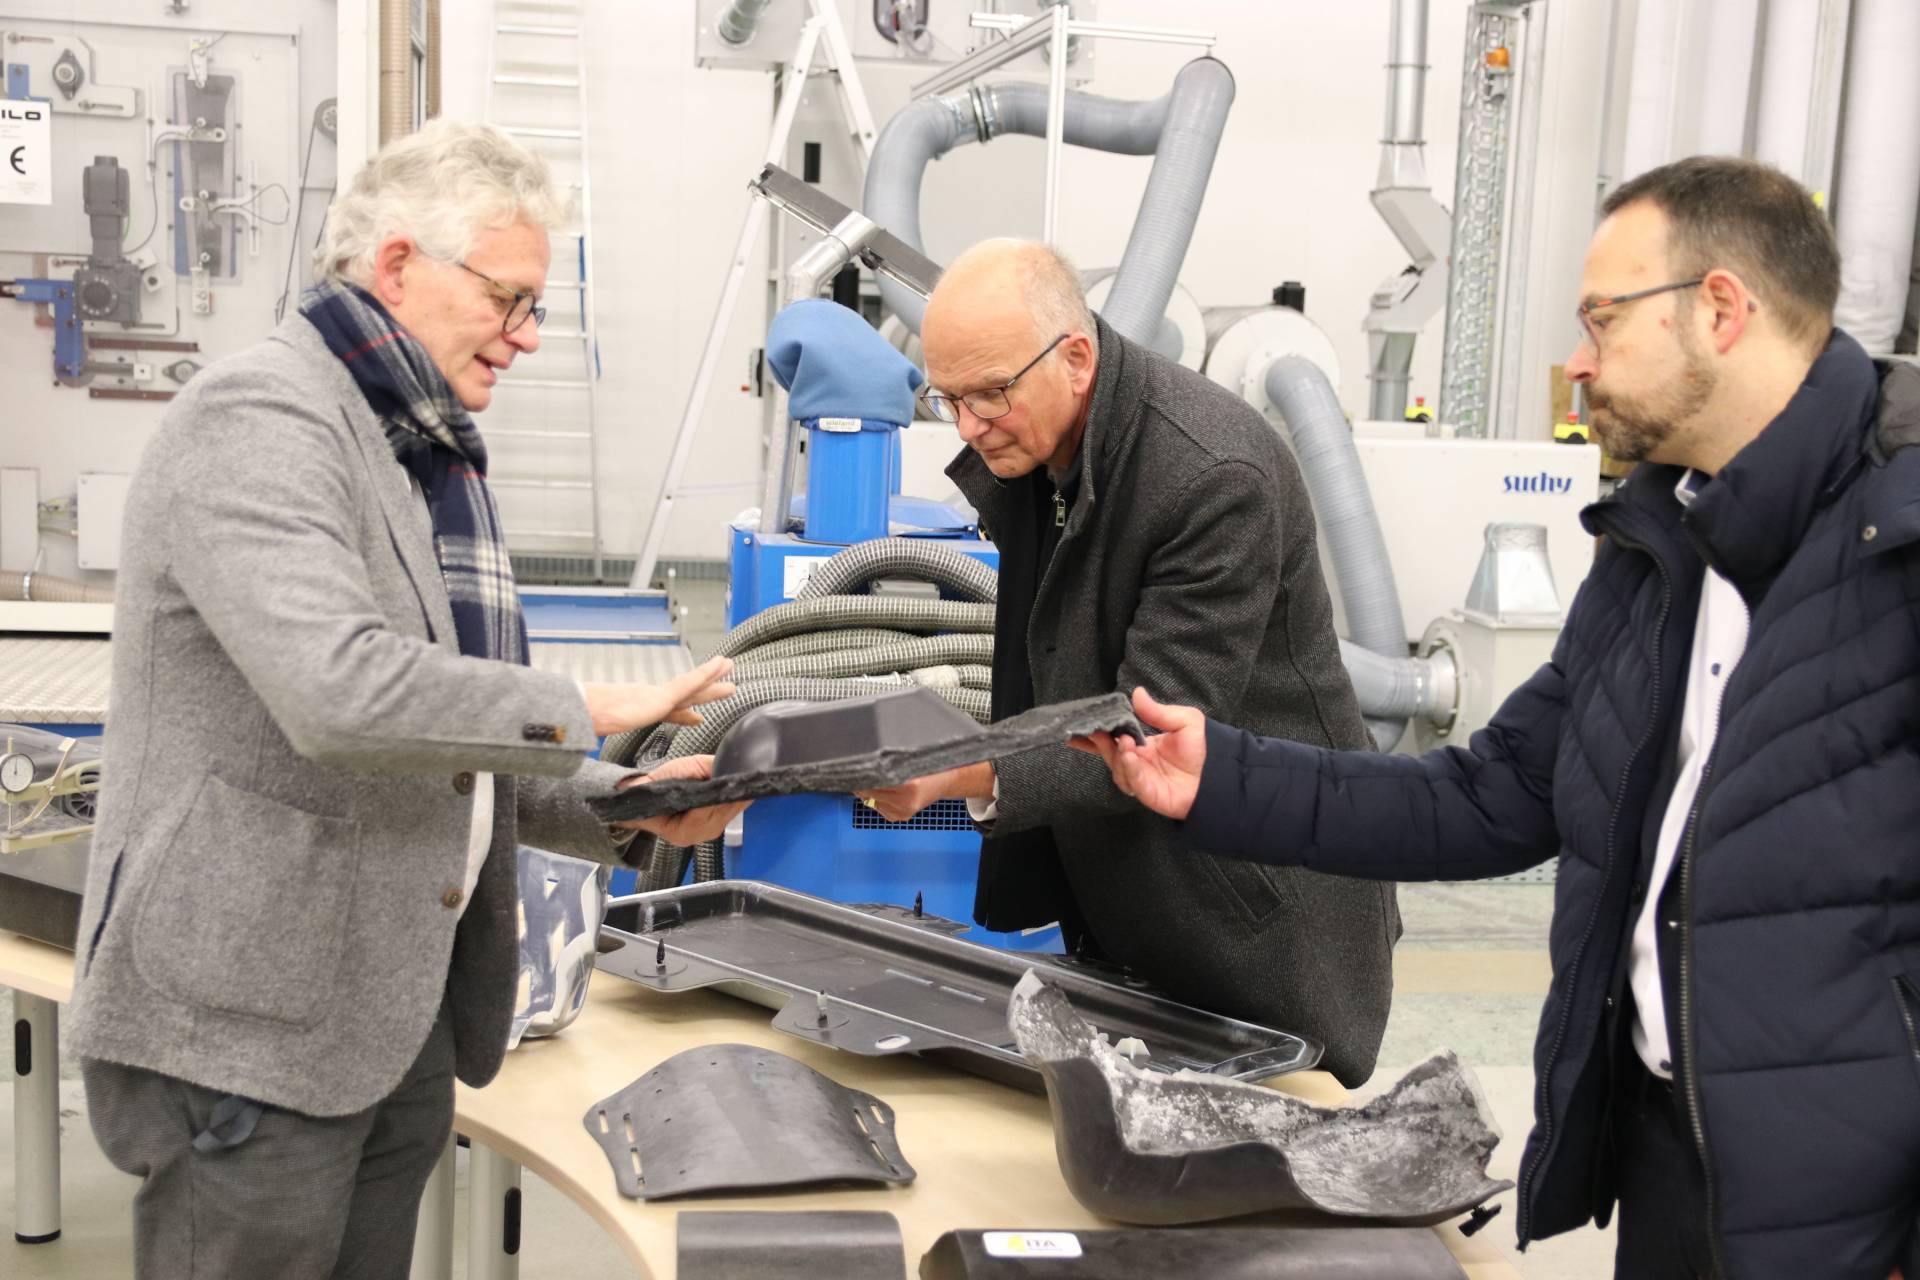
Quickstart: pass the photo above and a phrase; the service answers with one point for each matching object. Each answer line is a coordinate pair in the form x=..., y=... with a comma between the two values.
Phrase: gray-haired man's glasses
x=988, y=402
x=520, y=303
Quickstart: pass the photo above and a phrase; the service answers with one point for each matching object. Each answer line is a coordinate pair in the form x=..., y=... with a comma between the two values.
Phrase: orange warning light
x=1499, y=57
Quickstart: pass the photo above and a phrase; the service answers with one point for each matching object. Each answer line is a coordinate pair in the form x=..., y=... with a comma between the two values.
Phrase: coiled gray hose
x=907, y=655
x=827, y=645
x=824, y=642
x=866, y=562
x=924, y=616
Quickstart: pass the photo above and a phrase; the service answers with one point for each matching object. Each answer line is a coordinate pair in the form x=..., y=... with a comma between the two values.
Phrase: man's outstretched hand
x=618, y=708
x=1162, y=773
x=693, y=826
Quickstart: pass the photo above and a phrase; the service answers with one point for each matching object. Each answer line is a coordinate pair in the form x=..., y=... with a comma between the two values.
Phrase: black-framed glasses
x=520, y=303
x=1590, y=336
x=988, y=402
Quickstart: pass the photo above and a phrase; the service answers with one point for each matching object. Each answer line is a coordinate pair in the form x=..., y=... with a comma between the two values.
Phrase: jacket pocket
x=1258, y=890
x=246, y=910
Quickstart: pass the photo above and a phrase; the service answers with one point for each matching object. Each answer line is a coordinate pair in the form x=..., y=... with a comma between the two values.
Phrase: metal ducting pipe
x=46, y=588
x=1407, y=74
x=396, y=69
x=1392, y=690
x=1195, y=108
x=1879, y=172
x=1163, y=228
x=1404, y=302
x=1323, y=442
x=1362, y=570
x=741, y=20
x=433, y=59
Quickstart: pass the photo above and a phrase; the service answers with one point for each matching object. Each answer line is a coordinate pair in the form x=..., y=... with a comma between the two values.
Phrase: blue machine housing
x=829, y=845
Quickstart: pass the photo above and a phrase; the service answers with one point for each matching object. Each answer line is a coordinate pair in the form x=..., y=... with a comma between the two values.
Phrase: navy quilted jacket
x=1793, y=955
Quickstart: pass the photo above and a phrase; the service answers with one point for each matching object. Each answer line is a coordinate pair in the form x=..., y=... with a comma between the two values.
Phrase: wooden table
x=984, y=1152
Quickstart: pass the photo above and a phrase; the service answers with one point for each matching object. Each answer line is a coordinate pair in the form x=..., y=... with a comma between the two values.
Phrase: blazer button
x=463, y=783
x=452, y=898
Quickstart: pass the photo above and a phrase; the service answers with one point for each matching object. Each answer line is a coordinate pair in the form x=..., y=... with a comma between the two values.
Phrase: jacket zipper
x=1046, y=575
x=1905, y=995
x=1689, y=1073
x=1593, y=917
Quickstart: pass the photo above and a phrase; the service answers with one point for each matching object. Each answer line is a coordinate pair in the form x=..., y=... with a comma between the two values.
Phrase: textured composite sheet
x=888, y=767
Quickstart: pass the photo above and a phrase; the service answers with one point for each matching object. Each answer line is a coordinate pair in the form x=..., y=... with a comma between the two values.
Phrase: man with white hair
x=326, y=744
x=1151, y=527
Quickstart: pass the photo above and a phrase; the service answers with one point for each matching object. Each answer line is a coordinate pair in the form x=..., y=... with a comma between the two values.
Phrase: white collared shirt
x=1719, y=641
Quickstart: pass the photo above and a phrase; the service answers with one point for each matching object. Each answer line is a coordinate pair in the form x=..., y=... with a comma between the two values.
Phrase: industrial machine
x=153, y=173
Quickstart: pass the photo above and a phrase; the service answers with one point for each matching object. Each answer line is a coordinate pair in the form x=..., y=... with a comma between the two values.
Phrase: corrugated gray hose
x=824, y=642
x=1181, y=129
x=908, y=655
x=47, y=587
x=795, y=651
x=797, y=616
x=868, y=562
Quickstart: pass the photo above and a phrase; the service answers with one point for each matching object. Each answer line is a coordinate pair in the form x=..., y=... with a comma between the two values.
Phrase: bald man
x=1153, y=530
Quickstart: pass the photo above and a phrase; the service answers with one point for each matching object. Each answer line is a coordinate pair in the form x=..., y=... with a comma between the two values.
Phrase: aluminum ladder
x=541, y=430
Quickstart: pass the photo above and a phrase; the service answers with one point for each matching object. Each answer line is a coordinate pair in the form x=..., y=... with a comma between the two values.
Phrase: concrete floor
x=1469, y=976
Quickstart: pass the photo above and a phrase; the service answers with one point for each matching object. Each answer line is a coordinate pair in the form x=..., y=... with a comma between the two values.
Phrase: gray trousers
x=267, y=1192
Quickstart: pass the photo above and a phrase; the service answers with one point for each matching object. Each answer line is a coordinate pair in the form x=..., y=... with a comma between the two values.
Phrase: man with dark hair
x=1721, y=751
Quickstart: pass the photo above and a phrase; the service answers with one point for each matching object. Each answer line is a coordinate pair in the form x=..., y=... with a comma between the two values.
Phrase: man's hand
x=898, y=804
x=1162, y=773
x=695, y=825
x=617, y=708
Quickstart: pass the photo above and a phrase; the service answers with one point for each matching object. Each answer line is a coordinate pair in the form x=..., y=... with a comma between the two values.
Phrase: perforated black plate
x=732, y=1117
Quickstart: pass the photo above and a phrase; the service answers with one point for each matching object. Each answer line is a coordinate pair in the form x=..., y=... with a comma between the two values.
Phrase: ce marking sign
x=26, y=147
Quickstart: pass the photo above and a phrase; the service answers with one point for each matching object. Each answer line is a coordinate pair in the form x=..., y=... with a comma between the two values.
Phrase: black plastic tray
x=852, y=981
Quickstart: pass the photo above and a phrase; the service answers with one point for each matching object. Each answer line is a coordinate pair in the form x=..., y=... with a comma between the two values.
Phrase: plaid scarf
x=434, y=438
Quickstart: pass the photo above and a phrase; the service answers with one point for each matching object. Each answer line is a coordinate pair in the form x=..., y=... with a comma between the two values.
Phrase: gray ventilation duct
x=741, y=20
x=1181, y=130
x=1392, y=690
x=1390, y=685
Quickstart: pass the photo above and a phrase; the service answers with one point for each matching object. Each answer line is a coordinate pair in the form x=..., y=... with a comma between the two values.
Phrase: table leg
x=433, y=1236
x=493, y=1216
x=36, y=1119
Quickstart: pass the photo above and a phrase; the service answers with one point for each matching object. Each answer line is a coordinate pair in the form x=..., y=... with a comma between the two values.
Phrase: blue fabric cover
x=835, y=365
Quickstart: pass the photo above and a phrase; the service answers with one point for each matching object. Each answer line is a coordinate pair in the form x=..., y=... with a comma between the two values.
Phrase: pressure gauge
x=16, y=773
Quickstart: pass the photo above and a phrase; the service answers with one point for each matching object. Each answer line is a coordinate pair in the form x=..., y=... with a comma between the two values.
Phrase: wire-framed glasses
x=988, y=402
x=1590, y=336
x=519, y=302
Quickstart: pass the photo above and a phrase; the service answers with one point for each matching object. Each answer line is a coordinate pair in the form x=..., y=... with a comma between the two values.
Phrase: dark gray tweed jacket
x=1188, y=565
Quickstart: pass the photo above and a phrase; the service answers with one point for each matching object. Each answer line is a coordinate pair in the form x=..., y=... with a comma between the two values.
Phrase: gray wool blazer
x=274, y=902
